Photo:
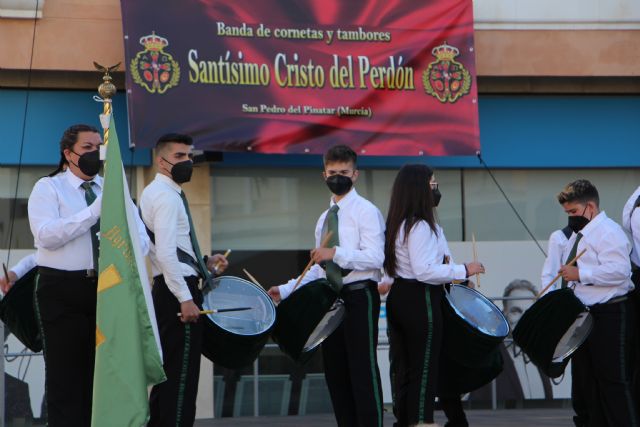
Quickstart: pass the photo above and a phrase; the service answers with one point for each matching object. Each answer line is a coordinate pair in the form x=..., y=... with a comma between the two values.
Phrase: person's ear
x=356, y=173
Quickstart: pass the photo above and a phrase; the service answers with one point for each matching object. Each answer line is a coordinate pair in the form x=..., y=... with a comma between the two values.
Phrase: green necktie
x=194, y=242
x=333, y=270
x=91, y=197
x=572, y=255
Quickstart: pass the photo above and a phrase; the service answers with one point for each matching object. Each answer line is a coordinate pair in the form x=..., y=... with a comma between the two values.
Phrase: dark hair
x=169, y=138
x=68, y=140
x=581, y=191
x=411, y=202
x=517, y=284
x=340, y=153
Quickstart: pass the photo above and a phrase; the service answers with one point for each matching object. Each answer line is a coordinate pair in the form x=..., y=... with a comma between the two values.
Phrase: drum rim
x=573, y=349
x=483, y=298
x=342, y=310
x=260, y=288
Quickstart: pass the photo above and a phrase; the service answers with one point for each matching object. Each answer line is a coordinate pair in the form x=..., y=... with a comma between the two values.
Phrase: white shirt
x=604, y=269
x=553, y=262
x=164, y=213
x=422, y=255
x=60, y=221
x=24, y=265
x=631, y=223
x=361, y=249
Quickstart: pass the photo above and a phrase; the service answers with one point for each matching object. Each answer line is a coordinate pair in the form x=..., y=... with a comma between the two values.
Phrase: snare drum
x=552, y=329
x=306, y=318
x=473, y=327
x=17, y=311
x=234, y=339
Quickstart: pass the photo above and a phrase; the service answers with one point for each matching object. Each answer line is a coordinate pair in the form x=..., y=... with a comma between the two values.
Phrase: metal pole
x=2, y=373
x=494, y=395
x=256, y=393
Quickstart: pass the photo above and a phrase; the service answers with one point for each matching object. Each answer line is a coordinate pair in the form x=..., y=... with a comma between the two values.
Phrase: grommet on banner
x=306, y=150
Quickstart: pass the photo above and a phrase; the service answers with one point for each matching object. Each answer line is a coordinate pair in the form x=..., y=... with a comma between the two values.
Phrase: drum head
x=574, y=337
x=327, y=325
x=233, y=292
x=478, y=311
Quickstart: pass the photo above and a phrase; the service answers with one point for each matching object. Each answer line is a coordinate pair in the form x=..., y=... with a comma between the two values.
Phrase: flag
x=128, y=354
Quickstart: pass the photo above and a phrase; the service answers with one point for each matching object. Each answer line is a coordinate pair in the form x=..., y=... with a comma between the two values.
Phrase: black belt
x=89, y=273
x=356, y=286
x=615, y=300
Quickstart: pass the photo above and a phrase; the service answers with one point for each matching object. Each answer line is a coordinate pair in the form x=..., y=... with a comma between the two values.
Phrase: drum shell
x=464, y=344
x=230, y=350
x=455, y=378
x=298, y=315
x=18, y=311
x=223, y=346
x=542, y=326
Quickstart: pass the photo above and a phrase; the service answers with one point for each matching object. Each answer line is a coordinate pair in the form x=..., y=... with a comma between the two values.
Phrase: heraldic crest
x=153, y=68
x=446, y=79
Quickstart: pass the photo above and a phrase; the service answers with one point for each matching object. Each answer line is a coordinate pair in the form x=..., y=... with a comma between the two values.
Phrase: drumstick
x=221, y=310
x=217, y=264
x=253, y=279
x=306, y=269
x=6, y=273
x=475, y=257
x=573, y=261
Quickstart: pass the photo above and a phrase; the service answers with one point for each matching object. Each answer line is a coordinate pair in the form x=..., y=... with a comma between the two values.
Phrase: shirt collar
x=593, y=223
x=76, y=181
x=351, y=195
x=168, y=182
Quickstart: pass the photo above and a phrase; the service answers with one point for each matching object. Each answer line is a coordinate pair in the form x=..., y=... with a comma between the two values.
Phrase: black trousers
x=351, y=363
x=414, y=320
x=452, y=408
x=173, y=402
x=66, y=308
x=602, y=369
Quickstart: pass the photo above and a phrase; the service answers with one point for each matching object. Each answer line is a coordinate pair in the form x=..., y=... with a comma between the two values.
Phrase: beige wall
x=72, y=34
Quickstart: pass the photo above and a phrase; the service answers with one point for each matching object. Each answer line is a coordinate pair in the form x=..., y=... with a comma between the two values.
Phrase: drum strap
x=183, y=256
x=572, y=255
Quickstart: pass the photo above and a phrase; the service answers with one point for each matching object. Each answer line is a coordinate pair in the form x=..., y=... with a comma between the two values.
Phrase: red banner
x=387, y=77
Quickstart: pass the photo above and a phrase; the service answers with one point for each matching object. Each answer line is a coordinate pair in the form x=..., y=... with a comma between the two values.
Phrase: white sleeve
x=423, y=245
x=143, y=237
x=164, y=219
x=49, y=229
x=554, y=261
x=370, y=253
x=24, y=265
x=627, y=210
x=613, y=268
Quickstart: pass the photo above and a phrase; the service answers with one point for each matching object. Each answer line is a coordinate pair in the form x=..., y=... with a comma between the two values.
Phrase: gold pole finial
x=107, y=90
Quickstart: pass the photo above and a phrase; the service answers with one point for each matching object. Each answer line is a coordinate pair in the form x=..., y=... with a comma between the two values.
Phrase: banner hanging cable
x=14, y=209
x=513, y=208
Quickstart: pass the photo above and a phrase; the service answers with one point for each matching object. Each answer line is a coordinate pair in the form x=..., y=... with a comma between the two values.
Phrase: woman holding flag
x=64, y=212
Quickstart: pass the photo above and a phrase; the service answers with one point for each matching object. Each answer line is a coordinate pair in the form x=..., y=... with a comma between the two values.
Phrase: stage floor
x=477, y=418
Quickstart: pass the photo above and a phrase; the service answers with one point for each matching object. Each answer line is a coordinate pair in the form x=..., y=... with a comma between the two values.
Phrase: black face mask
x=578, y=222
x=181, y=171
x=89, y=163
x=339, y=184
x=437, y=195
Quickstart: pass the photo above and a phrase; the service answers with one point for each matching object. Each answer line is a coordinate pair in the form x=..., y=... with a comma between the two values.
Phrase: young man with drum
x=418, y=258
x=353, y=262
x=177, y=267
x=603, y=365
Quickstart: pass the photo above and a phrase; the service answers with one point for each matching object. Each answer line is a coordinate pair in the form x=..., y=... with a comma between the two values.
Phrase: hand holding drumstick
x=274, y=292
